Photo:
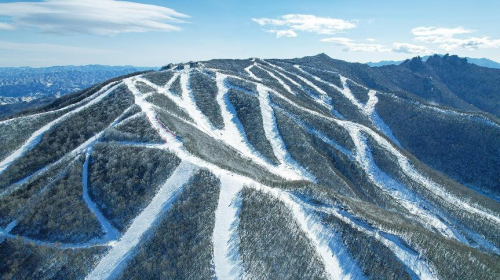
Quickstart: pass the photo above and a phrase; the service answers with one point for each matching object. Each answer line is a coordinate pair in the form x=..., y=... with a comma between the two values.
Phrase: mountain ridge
x=484, y=62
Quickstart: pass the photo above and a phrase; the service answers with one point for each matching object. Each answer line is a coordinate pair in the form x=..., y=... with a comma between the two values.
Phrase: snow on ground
x=328, y=246
x=178, y=100
x=78, y=150
x=450, y=112
x=272, y=134
x=279, y=71
x=319, y=134
x=112, y=264
x=410, y=258
x=202, y=122
x=338, y=266
x=436, y=189
x=37, y=135
x=58, y=110
x=280, y=81
x=338, y=263
x=404, y=163
x=111, y=233
x=323, y=99
x=368, y=109
x=233, y=134
x=225, y=237
x=148, y=110
x=407, y=199
x=252, y=75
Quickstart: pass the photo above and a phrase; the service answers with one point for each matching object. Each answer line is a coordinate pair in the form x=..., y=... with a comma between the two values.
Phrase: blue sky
x=79, y=32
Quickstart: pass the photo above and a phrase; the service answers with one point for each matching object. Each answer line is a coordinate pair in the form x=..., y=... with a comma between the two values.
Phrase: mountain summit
x=260, y=169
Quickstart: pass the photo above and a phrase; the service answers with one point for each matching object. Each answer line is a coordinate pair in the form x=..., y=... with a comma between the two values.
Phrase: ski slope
x=111, y=265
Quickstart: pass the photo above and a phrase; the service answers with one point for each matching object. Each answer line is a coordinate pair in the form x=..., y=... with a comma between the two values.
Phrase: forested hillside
x=309, y=168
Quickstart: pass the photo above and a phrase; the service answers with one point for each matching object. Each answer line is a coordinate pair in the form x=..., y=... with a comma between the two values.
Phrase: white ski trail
x=325, y=245
x=411, y=259
x=250, y=74
x=280, y=81
x=90, y=142
x=368, y=109
x=273, y=136
x=37, y=135
x=60, y=109
x=405, y=164
x=338, y=263
x=111, y=233
x=394, y=189
x=234, y=135
x=197, y=115
x=112, y=264
x=225, y=237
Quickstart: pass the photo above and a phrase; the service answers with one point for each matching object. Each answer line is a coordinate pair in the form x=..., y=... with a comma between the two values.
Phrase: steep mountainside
x=261, y=169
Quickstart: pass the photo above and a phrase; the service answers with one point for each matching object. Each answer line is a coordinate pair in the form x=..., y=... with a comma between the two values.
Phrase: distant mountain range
x=484, y=62
x=307, y=168
x=24, y=87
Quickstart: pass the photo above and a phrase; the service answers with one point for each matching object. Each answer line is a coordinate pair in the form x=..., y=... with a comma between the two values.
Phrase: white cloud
x=292, y=23
x=447, y=40
x=410, y=48
x=98, y=17
x=439, y=31
x=6, y=26
x=350, y=45
x=283, y=33
x=370, y=39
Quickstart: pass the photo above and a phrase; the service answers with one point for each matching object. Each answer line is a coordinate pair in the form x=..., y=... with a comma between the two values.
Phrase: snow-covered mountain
x=257, y=169
x=24, y=87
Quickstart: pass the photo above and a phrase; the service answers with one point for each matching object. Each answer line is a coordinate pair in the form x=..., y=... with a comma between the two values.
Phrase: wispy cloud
x=411, y=49
x=447, y=39
x=51, y=48
x=350, y=45
x=98, y=17
x=439, y=31
x=6, y=26
x=289, y=25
